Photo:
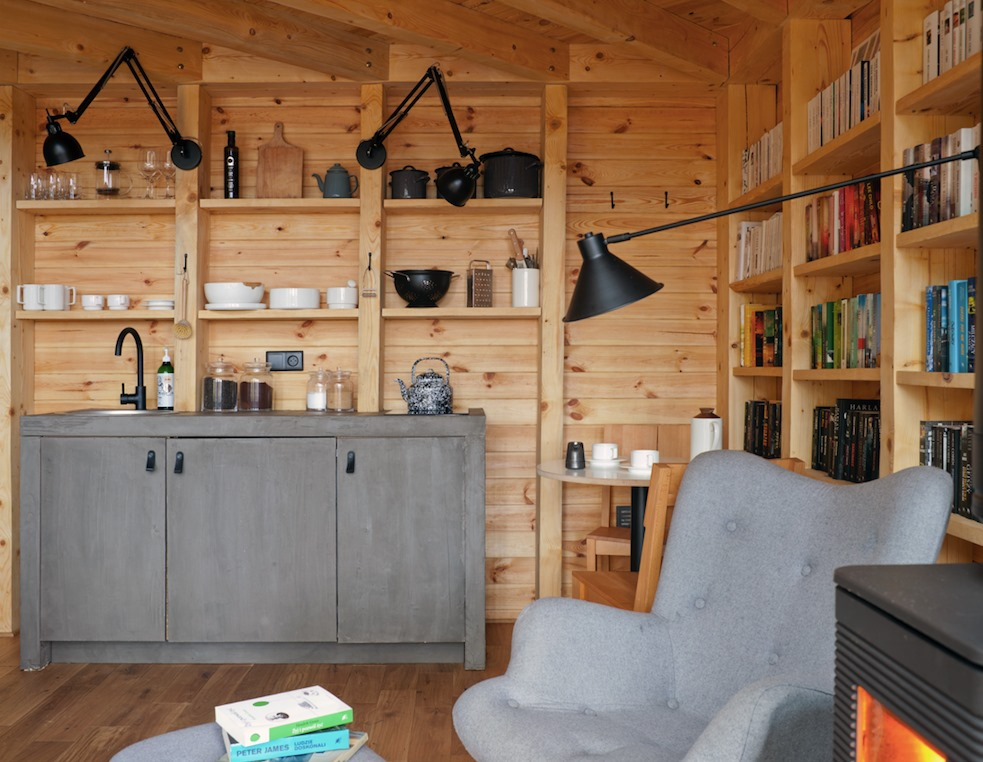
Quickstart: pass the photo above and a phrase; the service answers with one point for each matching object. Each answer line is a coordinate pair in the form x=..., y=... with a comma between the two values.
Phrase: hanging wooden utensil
x=182, y=328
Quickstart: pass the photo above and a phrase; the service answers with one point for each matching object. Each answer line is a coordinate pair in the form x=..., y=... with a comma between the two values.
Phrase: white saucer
x=644, y=471
x=236, y=306
x=160, y=304
x=159, y=308
x=612, y=463
x=92, y=309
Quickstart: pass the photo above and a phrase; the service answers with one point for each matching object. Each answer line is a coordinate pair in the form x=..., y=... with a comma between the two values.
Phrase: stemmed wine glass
x=150, y=170
x=167, y=169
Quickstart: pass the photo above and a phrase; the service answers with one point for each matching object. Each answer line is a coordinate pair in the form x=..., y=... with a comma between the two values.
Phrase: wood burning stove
x=909, y=663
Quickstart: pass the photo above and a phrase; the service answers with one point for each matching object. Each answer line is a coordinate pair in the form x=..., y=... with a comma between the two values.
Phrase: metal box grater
x=479, y=283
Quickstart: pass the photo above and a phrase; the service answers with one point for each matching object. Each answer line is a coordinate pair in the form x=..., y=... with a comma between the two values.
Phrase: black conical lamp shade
x=605, y=282
x=60, y=147
x=457, y=185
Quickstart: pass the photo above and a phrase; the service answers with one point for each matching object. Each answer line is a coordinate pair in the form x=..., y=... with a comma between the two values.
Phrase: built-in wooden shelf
x=862, y=261
x=966, y=529
x=431, y=205
x=318, y=314
x=476, y=313
x=764, y=372
x=763, y=283
x=957, y=233
x=313, y=205
x=98, y=206
x=107, y=314
x=837, y=374
x=854, y=152
x=770, y=188
x=936, y=380
x=957, y=91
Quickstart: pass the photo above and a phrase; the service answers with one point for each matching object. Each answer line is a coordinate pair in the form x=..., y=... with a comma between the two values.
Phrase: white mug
x=118, y=301
x=644, y=458
x=31, y=296
x=604, y=451
x=92, y=301
x=57, y=296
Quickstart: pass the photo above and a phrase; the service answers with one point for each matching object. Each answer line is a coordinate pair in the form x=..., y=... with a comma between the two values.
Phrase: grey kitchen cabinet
x=102, y=527
x=401, y=530
x=214, y=538
x=251, y=540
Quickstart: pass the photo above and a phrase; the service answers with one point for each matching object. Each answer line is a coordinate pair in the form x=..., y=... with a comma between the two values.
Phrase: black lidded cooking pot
x=512, y=173
x=409, y=182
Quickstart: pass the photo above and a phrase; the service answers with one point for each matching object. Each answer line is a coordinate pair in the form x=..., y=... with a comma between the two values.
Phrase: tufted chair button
x=513, y=703
x=773, y=659
x=589, y=712
x=806, y=570
x=731, y=526
x=672, y=704
x=699, y=603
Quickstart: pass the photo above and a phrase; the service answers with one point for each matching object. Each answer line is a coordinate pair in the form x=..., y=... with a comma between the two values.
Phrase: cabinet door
x=102, y=539
x=401, y=540
x=251, y=540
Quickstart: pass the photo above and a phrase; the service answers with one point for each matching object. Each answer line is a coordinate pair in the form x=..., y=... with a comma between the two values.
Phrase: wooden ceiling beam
x=824, y=9
x=452, y=29
x=768, y=11
x=663, y=36
x=250, y=26
x=27, y=28
x=756, y=57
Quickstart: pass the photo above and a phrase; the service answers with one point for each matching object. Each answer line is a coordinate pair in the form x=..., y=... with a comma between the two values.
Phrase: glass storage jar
x=317, y=390
x=256, y=386
x=218, y=386
x=341, y=396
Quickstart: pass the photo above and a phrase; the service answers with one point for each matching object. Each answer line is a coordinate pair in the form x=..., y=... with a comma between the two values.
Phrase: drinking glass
x=150, y=170
x=167, y=169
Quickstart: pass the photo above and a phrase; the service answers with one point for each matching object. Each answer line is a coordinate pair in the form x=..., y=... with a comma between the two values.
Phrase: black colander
x=421, y=288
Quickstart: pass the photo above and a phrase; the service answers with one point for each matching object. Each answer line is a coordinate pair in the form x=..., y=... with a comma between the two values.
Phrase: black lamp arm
x=127, y=56
x=973, y=153
x=400, y=112
x=463, y=147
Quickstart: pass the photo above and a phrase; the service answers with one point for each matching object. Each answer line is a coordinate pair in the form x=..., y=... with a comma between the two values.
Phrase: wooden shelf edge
x=66, y=315
x=764, y=372
x=965, y=529
x=761, y=192
x=767, y=282
x=405, y=313
x=952, y=92
x=847, y=153
x=958, y=233
x=837, y=374
x=318, y=314
x=936, y=380
x=477, y=204
x=863, y=261
x=98, y=206
x=324, y=205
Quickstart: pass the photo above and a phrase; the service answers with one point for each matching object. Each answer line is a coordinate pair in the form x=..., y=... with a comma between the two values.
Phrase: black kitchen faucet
x=139, y=397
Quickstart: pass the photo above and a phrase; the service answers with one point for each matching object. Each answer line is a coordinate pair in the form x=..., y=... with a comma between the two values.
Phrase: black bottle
x=231, y=167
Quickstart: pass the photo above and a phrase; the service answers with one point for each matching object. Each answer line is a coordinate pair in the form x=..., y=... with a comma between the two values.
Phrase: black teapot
x=429, y=393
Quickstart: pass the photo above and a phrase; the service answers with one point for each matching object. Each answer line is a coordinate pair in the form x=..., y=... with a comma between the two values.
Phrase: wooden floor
x=87, y=712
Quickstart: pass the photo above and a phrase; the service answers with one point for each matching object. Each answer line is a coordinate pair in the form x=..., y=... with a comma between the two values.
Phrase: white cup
x=643, y=459
x=525, y=287
x=93, y=301
x=604, y=451
x=57, y=296
x=118, y=301
x=31, y=296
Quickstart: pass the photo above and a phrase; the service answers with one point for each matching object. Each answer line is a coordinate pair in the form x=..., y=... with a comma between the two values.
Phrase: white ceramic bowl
x=233, y=293
x=342, y=297
x=295, y=298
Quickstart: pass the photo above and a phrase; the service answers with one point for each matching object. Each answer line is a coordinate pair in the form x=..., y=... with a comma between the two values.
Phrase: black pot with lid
x=511, y=173
x=409, y=182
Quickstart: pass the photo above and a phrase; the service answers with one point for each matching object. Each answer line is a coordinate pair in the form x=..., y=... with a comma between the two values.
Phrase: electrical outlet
x=285, y=360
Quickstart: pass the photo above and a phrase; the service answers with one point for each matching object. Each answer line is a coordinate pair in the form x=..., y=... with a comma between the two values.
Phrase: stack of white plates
x=159, y=304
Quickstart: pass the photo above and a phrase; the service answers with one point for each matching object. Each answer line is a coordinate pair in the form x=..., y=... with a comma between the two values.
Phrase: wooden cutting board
x=280, y=170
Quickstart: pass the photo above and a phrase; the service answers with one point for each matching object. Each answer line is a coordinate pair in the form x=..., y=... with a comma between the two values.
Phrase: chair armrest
x=772, y=720
x=568, y=653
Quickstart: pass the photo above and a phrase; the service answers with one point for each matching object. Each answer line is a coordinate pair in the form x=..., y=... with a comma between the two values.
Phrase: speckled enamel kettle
x=429, y=393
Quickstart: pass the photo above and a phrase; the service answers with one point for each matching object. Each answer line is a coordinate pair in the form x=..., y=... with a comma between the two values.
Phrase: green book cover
x=282, y=715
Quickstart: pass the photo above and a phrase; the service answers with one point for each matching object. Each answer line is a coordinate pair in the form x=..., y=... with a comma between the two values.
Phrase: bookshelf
x=900, y=266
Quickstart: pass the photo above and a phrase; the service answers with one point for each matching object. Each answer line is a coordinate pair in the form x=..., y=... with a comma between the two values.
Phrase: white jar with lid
x=317, y=390
x=341, y=395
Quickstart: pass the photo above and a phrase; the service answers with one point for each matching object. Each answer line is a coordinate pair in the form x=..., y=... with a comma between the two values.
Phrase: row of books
x=763, y=428
x=846, y=333
x=846, y=439
x=761, y=335
x=944, y=191
x=950, y=36
x=949, y=445
x=759, y=246
x=843, y=219
x=304, y=725
x=849, y=99
x=762, y=160
x=950, y=326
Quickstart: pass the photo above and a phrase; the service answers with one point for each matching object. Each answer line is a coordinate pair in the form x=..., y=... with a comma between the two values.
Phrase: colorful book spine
x=309, y=743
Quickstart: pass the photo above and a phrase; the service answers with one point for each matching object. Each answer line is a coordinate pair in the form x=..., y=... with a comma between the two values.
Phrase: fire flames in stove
x=884, y=737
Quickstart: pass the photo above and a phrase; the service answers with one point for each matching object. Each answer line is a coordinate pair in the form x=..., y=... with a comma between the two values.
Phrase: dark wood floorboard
x=88, y=712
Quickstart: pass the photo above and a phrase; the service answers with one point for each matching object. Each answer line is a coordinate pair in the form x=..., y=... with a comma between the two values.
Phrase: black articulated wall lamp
x=457, y=184
x=606, y=282
x=60, y=147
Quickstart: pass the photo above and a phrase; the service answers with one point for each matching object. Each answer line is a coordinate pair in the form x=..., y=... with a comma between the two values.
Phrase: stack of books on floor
x=304, y=725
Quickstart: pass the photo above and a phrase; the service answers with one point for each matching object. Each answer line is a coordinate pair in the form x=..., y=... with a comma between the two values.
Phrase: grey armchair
x=735, y=661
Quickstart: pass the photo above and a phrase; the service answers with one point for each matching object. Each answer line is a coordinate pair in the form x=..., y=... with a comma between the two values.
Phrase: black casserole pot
x=409, y=182
x=512, y=173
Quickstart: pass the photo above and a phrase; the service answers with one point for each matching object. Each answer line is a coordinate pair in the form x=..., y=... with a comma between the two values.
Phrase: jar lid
x=220, y=366
x=110, y=165
x=257, y=366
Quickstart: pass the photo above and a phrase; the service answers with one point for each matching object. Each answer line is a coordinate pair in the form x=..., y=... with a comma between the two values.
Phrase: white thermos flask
x=706, y=432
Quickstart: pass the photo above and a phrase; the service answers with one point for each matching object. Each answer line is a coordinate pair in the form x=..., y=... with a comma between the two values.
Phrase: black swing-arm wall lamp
x=60, y=147
x=457, y=184
x=606, y=282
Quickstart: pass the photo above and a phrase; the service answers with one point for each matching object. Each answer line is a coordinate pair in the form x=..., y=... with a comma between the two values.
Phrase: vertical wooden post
x=17, y=148
x=371, y=220
x=549, y=515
